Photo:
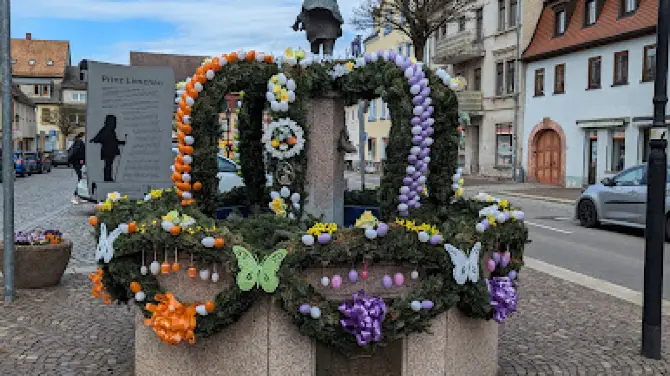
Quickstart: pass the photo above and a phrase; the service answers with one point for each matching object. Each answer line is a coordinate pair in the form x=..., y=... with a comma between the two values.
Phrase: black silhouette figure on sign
x=109, y=145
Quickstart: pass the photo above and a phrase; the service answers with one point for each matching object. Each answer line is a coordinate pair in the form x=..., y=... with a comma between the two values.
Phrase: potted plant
x=40, y=258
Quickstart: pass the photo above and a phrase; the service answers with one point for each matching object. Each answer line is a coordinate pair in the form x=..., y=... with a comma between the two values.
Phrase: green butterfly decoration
x=252, y=273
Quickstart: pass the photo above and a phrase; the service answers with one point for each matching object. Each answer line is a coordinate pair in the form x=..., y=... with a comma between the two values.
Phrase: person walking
x=109, y=146
x=76, y=157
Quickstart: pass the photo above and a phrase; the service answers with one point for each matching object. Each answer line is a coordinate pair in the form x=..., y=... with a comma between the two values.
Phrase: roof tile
x=183, y=66
x=42, y=51
x=608, y=26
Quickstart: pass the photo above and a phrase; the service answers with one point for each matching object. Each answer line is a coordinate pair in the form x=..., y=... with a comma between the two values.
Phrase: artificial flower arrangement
x=38, y=237
x=284, y=139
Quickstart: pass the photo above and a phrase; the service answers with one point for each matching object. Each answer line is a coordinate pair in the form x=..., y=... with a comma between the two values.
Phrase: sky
x=107, y=30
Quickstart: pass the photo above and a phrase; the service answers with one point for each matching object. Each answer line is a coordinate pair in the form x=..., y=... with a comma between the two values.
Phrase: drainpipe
x=517, y=81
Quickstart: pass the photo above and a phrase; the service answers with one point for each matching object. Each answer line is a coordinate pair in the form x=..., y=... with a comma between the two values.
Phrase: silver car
x=620, y=200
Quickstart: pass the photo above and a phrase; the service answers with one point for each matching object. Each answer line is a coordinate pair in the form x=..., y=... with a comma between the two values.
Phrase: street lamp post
x=227, y=131
x=656, y=183
x=7, y=147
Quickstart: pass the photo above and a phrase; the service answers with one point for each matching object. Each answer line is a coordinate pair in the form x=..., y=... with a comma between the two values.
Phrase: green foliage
x=368, y=197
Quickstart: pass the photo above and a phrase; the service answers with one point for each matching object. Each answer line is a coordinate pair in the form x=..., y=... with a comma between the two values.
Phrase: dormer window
x=31, y=62
x=50, y=62
x=590, y=14
x=628, y=7
x=560, y=22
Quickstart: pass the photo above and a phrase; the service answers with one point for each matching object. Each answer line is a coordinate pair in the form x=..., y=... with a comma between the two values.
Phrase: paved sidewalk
x=553, y=194
x=560, y=329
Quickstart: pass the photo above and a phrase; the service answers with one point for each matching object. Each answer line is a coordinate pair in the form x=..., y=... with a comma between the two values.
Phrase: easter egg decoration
x=204, y=274
x=353, y=276
x=414, y=274
x=415, y=305
x=399, y=279
x=336, y=281
x=387, y=282
x=315, y=312
x=305, y=309
x=325, y=281
x=364, y=273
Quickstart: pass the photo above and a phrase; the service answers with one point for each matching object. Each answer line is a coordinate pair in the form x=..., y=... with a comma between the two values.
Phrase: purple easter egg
x=305, y=309
x=411, y=195
x=398, y=279
x=430, y=131
x=407, y=180
x=353, y=276
x=511, y=275
x=413, y=186
x=411, y=158
x=418, y=189
x=505, y=259
x=411, y=203
x=416, y=140
x=413, y=81
x=491, y=265
x=367, y=58
x=403, y=198
x=520, y=215
x=418, y=110
x=382, y=229
x=336, y=281
x=387, y=282
x=421, y=74
x=416, y=175
x=507, y=215
x=425, y=115
x=496, y=257
x=324, y=238
x=430, y=109
x=424, y=133
x=427, y=102
x=416, y=120
x=418, y=165
x=427, y=304
x=425, y=92
x=435, y=239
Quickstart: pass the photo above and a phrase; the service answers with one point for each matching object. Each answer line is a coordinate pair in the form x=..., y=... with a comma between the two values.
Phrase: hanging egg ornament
x=315, y=312
x=370, y=233
x=414, y=274
x=364, y=273
x=399, y=279
x=424, y=237
x=204, y=274
x=427, y=304
x=144, y=270
x=192, y=271
x=491, y=265
x=496, y=257
x=336, y=281
x=325, y=281
x=512, y=275
x=215, y=277
x=505, y=259
x=165, y=268
x=415, y=305
x=305, y=309
x=155, y=267
x=353, y=276
x=176, y=267
x=140, y=296
x=387, y=282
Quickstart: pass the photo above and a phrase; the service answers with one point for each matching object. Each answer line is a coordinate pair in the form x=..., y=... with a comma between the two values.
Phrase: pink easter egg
x=336, y=281
x=399, y=279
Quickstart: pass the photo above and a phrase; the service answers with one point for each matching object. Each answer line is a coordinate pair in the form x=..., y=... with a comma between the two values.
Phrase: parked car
x=21, y=165
x=59, y=158
x=39, y=161
x=620, y=200
x=1, y=175
x=227, y=174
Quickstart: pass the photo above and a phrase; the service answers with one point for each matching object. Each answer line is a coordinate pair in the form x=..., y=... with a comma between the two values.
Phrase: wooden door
x=548, y=154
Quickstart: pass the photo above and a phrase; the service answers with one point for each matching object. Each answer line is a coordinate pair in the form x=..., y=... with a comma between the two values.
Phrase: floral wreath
x=284, y=139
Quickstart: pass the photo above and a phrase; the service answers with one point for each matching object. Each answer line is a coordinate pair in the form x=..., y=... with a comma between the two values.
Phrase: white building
x=588, y=103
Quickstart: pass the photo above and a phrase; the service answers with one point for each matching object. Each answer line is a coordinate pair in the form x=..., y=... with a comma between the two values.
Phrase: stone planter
x=265, y=342
x=39, y=266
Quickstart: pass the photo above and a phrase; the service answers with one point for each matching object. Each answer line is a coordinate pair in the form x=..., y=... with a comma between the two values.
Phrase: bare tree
x=69, y=119
x=418, y=19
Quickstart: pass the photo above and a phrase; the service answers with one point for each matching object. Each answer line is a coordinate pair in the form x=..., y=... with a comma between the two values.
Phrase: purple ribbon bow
x=364, y=317
x=503, y=297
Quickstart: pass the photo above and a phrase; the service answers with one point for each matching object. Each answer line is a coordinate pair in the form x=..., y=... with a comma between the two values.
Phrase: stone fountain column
x=325, y=164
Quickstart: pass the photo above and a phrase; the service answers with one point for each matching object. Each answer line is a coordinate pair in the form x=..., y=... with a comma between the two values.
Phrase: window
x=539, y=82
x=372, y=110
x=618, y=140
x=461, y=24
x=42, y=90
x=79, y=97
x=621, y=68
x=50, y=62
x=385, y=144
x=444, y=30
x=590, y=14
x=633, y=176
x=594, y=72
x=382, y=110
x=372, y=149
x=388, y=27
x=510, y=76
x=500, y=86
x=559, y=79
x=501, y=15
x=628, y=7
x=31, y=62
x=400, y=49
x=479, y=24
x=408, y=47
x=649, y=63
x=46, y=115
x=477, y=82
x=225, y=165
x=512, y=12
x=560, y=22
x=503, y=144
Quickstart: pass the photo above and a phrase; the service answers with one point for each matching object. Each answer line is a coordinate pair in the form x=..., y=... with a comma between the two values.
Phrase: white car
x=227, y=174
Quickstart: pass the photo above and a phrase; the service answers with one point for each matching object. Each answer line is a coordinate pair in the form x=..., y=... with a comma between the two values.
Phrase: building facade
x=590, y=72
x=481, y=47
x=24, y=125
x=38, y=68
x=73, y=104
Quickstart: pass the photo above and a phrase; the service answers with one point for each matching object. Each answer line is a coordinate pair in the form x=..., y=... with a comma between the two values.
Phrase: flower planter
x=39, y=266
x=353, y=212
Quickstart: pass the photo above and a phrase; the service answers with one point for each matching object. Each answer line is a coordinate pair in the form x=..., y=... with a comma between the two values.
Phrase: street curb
x=534, y=197
x=599, y=285
x=81, y=270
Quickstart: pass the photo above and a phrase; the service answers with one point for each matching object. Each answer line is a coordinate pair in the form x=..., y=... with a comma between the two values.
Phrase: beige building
x=38, y=68
x=73, y=98
x=482, y=48
x=24, y=126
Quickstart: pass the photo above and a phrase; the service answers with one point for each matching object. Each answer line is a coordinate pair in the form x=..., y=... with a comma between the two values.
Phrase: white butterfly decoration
x=465, y=267
x=105, y=249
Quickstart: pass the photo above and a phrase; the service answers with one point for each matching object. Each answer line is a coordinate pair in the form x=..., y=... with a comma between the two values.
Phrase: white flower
x=114, y=196
x=283, y=130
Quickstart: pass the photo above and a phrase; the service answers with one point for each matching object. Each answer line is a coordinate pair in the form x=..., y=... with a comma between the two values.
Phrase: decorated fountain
x=287, y=290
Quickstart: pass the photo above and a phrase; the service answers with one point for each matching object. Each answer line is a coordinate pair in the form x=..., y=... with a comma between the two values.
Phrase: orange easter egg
x=175, y=267
x=93, y=221
x=197, y=186
x=165, y=266
x=132, y=227
x=192, y=271
x=209, y=306
x=174, y=230
x=219, y=242
x=135, y=287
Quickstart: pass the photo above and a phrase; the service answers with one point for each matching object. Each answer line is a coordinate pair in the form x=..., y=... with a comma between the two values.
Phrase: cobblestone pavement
x=560, y=329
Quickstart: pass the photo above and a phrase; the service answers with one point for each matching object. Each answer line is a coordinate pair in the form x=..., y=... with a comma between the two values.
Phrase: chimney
x=29, y=36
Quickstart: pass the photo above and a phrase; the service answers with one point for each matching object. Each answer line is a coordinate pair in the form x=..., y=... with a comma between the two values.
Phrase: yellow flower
x=366, y=220
x=300, y=54
x=425, y=191
x=278, y=206
x=284, y=96
x=289, y=53
x=114, y=196
x=459, y=192
x=156, y=193
x=503, y=204
x=274, y=79
x=275, y=143
x=492, y=220
x=489, y=198
x=276, y=89
x=106, y=206
x=461, y=181
x=154, y=222
x=400, y=221
x=350, y=65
